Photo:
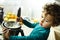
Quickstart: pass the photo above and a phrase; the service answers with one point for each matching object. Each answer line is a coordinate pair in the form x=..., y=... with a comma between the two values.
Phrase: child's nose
x=42, y=20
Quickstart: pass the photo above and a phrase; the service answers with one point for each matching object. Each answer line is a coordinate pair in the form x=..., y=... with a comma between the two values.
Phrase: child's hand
x=6, y=33
x=20, y=20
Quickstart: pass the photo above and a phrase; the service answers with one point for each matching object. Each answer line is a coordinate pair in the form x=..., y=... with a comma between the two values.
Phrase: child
x=50, y=17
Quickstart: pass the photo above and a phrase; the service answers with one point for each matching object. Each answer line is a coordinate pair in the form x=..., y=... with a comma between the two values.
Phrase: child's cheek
x=45, y=25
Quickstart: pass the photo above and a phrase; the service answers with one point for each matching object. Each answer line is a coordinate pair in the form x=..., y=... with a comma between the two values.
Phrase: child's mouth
x=41, y=24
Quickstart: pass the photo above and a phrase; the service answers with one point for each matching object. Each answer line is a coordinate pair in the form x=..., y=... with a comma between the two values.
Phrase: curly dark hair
x=53, y=10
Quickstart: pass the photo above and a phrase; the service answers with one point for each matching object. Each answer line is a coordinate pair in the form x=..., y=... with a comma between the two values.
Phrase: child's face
x=46, y=20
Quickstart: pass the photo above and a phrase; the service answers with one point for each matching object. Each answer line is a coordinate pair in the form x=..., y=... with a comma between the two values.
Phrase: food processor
x=14, y=26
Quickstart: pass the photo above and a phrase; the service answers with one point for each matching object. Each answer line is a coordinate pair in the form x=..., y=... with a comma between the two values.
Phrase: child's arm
x=32, y=37
x=28, y=24
x=31, y=25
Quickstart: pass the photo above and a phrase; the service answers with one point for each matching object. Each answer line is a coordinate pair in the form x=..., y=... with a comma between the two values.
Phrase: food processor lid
x=11, y=25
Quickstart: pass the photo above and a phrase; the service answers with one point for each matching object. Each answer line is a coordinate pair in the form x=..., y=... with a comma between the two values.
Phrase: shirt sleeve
x=32, y=37
x=28, y=24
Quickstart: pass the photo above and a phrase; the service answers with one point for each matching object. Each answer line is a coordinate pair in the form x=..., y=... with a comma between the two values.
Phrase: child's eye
x=42, y=16
x=46, y=20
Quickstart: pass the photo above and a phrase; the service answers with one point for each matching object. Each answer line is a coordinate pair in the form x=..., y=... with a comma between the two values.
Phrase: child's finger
x=6, y=30
x=6, y=34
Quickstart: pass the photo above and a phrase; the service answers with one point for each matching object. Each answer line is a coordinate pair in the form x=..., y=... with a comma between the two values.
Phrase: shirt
x=38, y=33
